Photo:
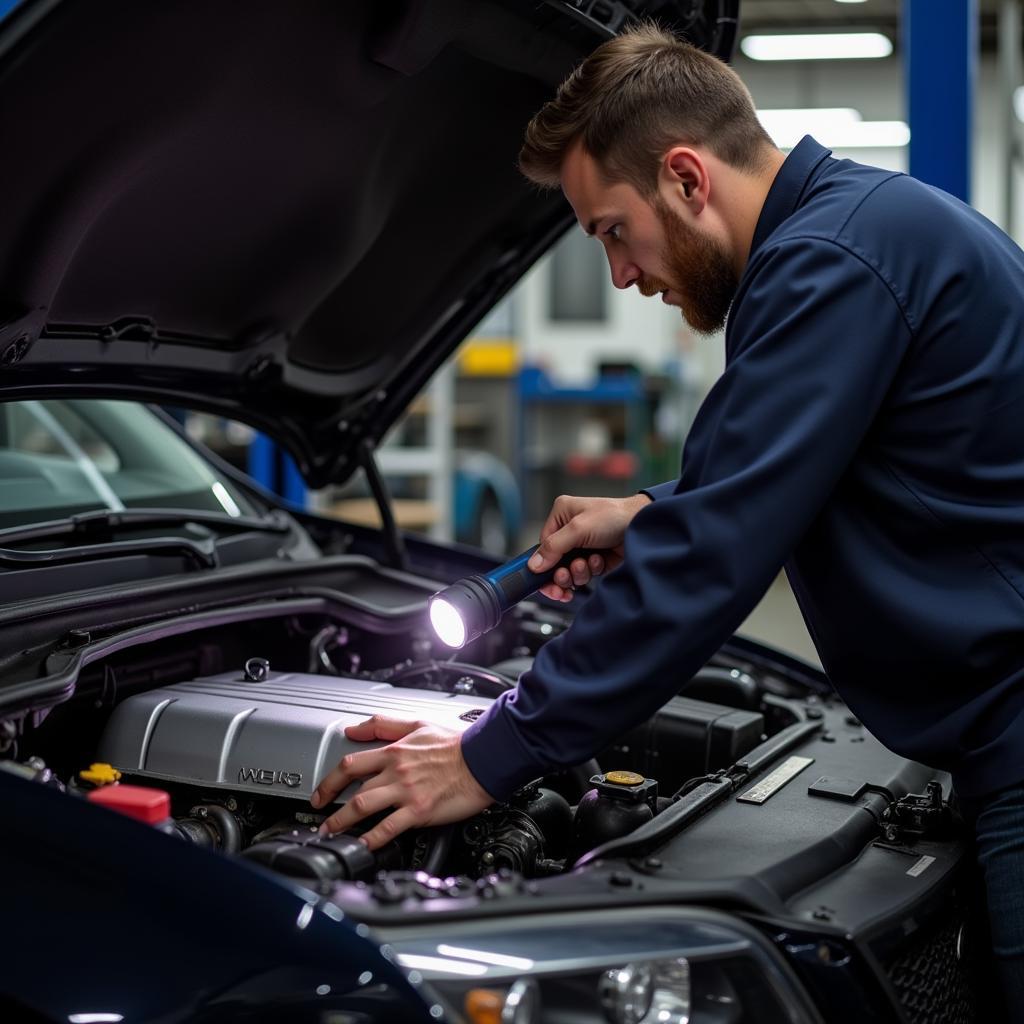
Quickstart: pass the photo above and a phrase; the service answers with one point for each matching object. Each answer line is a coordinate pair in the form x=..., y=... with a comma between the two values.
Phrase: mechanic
x=867, y=434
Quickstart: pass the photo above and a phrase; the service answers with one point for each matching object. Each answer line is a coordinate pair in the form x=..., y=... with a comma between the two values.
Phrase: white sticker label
x=770, y=784
x=923, y=864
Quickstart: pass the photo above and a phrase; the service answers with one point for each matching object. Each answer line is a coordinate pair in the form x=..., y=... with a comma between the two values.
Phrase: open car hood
x=288, y=212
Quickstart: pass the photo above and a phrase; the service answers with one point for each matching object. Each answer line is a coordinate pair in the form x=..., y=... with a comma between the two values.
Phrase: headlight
x=627, y=993
x=657, y=992
x=653, y=965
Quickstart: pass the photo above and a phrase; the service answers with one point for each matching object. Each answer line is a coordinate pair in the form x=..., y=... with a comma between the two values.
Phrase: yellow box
x=489, y=357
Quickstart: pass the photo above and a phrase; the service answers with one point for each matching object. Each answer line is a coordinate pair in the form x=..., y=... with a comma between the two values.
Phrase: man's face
x=651, y=245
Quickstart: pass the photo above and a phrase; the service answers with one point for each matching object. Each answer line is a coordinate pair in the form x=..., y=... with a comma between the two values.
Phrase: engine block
x=275, y=736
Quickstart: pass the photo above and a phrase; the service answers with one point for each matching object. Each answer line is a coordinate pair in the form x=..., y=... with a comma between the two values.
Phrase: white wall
x=640, y=330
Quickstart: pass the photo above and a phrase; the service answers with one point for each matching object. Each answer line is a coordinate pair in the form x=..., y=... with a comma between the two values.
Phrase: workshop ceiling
x=829, y=15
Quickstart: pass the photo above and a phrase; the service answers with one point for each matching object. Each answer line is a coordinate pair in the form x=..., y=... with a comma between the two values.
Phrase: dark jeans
x=999, y=832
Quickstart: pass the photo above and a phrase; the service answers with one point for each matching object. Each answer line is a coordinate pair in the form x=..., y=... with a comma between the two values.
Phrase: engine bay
x=251, y=746
x=234, y=711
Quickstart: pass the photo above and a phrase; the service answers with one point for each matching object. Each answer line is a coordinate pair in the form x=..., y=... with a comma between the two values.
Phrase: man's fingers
x=350, y=767
x=556, y=546
x=580, y=569
x=556, y=593
x=427, y=782
x=564, y=507
x=362, y=805
x=391, y=827
x=380, y=727
x=365, y=762
x=578, y=573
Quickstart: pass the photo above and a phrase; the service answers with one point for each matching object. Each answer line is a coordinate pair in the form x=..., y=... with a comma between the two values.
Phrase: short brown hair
x=632, y=99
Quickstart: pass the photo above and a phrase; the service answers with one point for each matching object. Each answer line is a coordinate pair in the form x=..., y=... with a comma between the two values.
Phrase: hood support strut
x=393, y=543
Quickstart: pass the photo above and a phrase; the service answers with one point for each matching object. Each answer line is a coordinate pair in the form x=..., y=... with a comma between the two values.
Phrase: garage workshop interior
x=294, y=364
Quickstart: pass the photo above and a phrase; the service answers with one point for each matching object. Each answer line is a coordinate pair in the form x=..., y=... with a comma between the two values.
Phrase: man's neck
x=747, y=195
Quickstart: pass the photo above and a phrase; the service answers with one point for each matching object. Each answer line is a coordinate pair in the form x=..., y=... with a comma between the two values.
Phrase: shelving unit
x=553, y=420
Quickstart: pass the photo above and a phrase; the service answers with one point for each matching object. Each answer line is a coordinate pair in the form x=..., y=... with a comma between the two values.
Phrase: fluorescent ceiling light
x=788, y=123
x=817, y=46
x=867, y=135
x=849, y=1
x=834, y=127
x=1018, y=102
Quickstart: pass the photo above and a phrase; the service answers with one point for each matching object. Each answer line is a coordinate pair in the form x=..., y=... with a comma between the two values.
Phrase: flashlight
x=475, y=604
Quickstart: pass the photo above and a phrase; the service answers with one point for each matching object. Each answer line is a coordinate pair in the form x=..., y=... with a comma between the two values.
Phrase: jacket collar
x=784, y=195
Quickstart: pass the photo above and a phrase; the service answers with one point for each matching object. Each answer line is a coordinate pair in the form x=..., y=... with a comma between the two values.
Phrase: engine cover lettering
x=269, y=777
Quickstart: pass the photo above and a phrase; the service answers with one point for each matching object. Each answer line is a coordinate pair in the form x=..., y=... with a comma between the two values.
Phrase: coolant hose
x=440, y=847
x=228, y=827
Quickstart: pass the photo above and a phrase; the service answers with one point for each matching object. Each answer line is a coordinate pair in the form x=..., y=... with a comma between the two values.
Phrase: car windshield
x=62, y=458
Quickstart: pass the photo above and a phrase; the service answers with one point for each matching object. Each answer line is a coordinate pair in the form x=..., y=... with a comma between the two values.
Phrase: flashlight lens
x=447, y=622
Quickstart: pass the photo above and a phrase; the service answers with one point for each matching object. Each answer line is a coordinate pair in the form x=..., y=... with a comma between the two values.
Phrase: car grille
x=932, y=982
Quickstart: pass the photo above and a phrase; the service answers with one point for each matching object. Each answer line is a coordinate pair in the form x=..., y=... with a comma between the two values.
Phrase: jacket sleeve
x=664, y=490
x=814, y=342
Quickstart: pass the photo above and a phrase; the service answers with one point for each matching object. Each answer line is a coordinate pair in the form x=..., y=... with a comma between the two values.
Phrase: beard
x=700, y=270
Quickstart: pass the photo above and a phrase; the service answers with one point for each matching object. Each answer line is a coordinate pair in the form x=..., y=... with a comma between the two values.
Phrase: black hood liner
x=287, y=211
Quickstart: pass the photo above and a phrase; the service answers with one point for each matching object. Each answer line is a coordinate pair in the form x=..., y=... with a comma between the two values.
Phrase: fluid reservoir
x=619, y=803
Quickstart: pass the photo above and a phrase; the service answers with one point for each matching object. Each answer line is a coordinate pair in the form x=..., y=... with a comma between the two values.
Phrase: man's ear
x=685, y=177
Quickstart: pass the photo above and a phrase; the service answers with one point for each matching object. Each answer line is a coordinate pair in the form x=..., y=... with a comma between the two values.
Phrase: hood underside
x=288, y=212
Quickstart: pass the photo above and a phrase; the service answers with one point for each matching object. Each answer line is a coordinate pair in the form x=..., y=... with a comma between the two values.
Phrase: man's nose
x=624, y=273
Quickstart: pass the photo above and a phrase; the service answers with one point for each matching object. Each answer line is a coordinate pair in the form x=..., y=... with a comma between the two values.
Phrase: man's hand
x=583, y=523
x=422, y=776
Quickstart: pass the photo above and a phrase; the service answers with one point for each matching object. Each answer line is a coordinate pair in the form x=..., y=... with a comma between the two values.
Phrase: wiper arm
x=203, y=552
x=105, y=520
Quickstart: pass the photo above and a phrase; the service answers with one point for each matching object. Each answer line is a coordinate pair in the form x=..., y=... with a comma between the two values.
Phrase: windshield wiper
x=105, y=521
x=202, y=551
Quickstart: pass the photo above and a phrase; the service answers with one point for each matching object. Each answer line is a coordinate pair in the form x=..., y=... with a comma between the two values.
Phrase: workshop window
x=578, y=282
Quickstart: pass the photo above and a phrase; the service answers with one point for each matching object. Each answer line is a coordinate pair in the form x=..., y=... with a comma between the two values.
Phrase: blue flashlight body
x=481, y=600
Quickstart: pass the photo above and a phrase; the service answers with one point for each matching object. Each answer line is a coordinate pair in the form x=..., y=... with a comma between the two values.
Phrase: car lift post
x=940, y=45
x=271, y=466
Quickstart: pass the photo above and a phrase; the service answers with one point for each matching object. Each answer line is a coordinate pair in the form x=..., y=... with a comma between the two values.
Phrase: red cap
x=139, y=802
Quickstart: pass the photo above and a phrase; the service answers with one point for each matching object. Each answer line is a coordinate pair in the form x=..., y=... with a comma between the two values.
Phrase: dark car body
x=290, y=214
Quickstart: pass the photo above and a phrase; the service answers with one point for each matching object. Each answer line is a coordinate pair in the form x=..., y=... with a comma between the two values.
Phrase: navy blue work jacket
x=868, y=434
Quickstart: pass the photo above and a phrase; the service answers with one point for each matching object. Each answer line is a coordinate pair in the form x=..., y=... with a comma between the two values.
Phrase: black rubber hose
x=582, y=773
x=440, y=847
x=491, y=680
x=484, y=674
x=724, y=686
x=228, y=827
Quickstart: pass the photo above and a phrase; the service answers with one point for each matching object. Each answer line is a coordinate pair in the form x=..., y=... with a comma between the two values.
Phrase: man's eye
x=614, y=232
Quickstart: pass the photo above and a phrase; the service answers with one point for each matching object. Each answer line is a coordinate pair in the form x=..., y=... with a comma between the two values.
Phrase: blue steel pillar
x=275, y=469
x=940, y=47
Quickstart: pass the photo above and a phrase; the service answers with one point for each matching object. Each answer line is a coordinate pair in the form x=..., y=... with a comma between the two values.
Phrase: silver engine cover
x=279, y=736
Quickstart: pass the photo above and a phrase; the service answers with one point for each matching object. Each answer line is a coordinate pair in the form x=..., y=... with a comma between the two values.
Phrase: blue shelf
x=536, y=386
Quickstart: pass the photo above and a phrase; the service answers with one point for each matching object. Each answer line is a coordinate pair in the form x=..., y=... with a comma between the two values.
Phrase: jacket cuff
x=495, y=754
x=664, y=490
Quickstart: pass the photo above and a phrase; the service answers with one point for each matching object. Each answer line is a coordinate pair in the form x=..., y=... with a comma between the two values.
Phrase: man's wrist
x=495, y=755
